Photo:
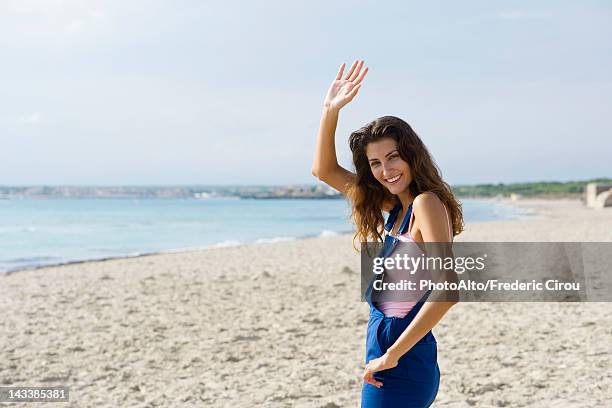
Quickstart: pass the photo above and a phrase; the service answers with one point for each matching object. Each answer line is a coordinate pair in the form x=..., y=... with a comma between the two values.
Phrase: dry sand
x=281, y=325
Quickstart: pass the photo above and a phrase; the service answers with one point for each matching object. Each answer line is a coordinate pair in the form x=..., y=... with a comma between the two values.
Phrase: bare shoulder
x=431, y=218
x=428, y=205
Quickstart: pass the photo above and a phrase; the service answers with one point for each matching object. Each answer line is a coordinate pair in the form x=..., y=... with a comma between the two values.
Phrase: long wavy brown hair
x=367, y=194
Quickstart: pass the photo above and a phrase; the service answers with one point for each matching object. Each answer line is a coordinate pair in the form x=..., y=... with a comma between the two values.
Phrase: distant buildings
x=293, y=191
x=186, y=192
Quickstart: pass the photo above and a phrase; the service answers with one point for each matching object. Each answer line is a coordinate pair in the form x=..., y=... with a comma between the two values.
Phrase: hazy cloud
x=512, y=15
x=30, y=118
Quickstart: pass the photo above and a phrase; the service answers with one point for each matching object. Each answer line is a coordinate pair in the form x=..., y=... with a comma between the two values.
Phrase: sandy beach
x=281, y=325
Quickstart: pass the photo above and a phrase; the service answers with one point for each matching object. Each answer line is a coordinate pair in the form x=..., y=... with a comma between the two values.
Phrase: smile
x=393, y=180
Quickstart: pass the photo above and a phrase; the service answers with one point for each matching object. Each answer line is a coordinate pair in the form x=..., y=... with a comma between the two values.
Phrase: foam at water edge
x=224, y=244
x=273, y=240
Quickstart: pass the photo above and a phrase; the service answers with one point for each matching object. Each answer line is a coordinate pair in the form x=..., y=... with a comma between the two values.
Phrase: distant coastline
x=545, y=189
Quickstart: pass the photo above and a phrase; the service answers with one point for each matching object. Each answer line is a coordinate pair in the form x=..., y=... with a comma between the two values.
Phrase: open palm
x=342, y=91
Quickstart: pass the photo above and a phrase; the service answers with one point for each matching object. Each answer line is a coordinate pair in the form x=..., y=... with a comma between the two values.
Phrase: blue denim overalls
x=415, y=380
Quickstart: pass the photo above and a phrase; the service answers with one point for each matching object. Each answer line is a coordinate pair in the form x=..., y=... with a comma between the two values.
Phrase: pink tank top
x=412, y=249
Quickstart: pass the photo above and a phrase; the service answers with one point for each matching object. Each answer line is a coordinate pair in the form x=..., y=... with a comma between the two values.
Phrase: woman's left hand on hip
x=384, y=362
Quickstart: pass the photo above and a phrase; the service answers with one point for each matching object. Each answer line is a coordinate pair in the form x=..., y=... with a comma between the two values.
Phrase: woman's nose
x=386, y=170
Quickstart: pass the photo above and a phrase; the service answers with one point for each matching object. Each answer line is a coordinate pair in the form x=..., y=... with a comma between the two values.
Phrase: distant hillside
x=551, y=189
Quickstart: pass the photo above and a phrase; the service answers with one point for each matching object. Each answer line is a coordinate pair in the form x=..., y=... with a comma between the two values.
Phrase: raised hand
x=342, y=91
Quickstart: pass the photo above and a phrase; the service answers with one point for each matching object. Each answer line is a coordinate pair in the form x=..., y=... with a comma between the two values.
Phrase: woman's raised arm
x=341, y=91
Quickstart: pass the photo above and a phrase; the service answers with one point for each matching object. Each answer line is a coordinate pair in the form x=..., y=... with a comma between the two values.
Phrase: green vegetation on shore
x=550, y=189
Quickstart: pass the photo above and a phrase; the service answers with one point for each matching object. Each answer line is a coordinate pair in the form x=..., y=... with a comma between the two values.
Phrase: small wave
x=328, y=233
x=17, y=228
x=224, y=244
x=183, y=249
x=30, y=260
x=273, y=240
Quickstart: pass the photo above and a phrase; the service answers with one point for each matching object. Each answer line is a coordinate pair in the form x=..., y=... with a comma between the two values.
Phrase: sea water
x=38, y=232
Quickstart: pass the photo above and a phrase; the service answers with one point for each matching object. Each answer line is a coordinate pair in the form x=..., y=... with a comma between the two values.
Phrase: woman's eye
x=375, y=164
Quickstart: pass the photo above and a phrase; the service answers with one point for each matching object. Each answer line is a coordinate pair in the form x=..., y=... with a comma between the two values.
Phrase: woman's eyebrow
x=392, y=151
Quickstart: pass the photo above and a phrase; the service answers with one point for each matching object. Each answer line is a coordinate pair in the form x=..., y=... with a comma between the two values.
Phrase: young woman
x=396, y=174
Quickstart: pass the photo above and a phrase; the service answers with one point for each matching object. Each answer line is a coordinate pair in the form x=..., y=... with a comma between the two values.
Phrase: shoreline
x=223, y=244
x=526, y=214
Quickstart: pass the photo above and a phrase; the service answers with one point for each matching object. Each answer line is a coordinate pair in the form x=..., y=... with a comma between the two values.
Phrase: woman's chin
x=394, y=189
x=397, y=189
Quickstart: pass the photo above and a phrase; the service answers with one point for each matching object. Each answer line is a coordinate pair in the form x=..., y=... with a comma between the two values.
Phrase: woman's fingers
x=356, y=71
x=352, y=69
x=339, y=76
x=361, y=76
x=368, y=377
x=353, y=92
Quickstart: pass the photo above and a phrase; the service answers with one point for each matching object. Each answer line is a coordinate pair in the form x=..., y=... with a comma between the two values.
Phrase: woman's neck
x=406, y=199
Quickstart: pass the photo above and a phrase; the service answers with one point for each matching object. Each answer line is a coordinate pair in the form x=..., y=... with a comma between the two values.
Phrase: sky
x=128, y=92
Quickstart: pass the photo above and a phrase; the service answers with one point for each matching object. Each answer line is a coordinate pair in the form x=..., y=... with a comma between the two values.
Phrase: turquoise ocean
x=40, y=232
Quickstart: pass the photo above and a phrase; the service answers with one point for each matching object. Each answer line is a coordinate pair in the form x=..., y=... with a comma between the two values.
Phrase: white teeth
x=391, y=180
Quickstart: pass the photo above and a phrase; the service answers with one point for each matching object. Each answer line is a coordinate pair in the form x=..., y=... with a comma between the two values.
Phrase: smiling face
x=387, y=166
